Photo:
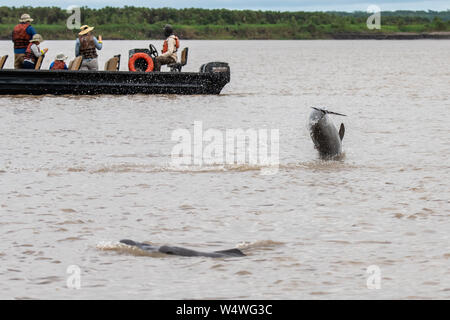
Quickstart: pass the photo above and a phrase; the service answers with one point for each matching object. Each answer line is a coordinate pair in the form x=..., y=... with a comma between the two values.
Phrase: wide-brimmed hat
x=25, y=18
x=61, y=56
x=85, y=29
x=37, y=37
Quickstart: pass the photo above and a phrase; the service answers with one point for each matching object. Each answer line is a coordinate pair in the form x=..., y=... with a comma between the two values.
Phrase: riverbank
x=238, y=32
x=141, y=23
x=392, y=36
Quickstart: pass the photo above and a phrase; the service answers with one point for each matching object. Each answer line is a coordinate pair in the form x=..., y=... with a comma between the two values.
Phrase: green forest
x=147, y=23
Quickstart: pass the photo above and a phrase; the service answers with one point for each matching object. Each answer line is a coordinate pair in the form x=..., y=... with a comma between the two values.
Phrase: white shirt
x=171, y=47
x=36, y=51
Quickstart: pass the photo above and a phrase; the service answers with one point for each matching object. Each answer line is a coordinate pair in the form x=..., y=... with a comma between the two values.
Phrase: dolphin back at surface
x=178, y=251
x=326, y=138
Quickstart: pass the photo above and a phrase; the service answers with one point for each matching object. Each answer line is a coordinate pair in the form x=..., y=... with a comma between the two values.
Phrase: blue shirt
x=51, y=66
x=31, y=31
x=77, y=46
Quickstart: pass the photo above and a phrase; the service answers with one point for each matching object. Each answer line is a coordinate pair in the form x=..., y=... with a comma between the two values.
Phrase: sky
x=276, y=5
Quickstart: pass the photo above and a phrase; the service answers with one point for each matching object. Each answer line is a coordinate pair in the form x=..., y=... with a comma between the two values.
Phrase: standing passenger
x=21, y=36
x=87, y=46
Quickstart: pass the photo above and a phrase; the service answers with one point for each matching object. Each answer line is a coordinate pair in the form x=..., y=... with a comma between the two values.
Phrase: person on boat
x=169, y=51
x=87, y=46
x=59, y=63
x=33, y=52
x=21, y=36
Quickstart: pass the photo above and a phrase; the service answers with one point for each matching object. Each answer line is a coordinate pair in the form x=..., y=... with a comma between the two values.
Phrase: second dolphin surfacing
x=183, y=251
x=327, y=140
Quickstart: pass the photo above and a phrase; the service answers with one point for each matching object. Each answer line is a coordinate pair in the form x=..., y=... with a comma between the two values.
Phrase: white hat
x=25, y=18
x=37, y=37
x=61, y=56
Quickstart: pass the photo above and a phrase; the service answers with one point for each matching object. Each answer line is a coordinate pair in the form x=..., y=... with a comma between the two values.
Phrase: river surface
x=77, y=174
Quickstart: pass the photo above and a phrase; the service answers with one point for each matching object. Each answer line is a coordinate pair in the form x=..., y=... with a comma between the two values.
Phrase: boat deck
x=83, y=82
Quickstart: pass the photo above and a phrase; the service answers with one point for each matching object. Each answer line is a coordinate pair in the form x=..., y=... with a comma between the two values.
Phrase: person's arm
x=170, y=47
x=36, y=51
x=77, y=48
x=51, y=65
x=31, y=31
x=98, y=44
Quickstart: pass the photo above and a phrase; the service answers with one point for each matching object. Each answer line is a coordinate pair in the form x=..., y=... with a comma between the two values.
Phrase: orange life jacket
x=20, y=36
x=166, y=44
x=29, y=55
x=58, y=65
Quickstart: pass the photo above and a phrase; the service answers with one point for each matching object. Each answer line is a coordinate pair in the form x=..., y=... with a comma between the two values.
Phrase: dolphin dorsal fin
x=341, y=131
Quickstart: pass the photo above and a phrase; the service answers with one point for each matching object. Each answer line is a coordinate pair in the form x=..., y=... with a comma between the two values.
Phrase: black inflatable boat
x=211, y=79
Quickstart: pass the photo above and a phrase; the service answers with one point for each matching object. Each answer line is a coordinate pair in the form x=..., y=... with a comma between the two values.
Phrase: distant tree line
x=193, y=16
x=141, y=23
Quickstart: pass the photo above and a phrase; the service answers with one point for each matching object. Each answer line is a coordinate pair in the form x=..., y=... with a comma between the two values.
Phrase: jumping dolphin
x=183, y=251
x=327, y=140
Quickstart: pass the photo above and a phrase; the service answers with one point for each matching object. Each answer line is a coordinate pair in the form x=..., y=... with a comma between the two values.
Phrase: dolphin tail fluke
x=329, y=112
x=341, y=131
x=232, y=252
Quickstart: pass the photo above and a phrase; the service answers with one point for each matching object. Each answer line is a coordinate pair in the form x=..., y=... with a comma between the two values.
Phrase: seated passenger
x=33, y=52
x=169, y=51
x=59, y=63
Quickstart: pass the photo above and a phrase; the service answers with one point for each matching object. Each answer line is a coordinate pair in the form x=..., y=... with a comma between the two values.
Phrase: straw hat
x=61, y=57
x=37, y=37
x=25, y=18
x=85, y=29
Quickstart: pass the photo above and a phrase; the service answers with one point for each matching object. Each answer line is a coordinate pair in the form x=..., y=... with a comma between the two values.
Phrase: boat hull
x=57, y=82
